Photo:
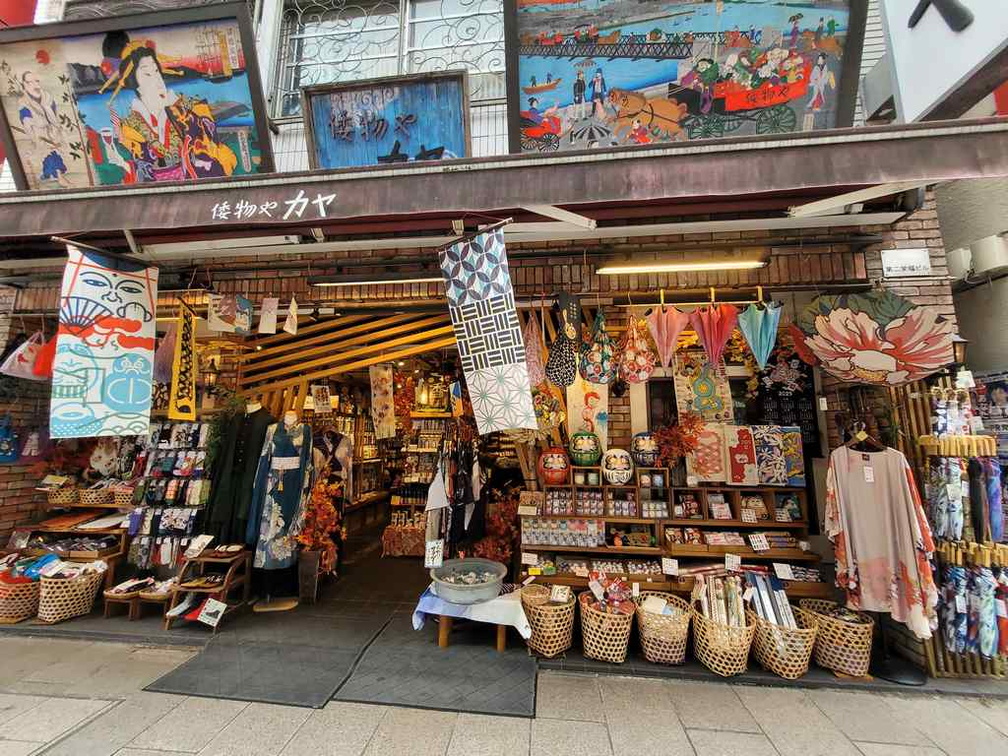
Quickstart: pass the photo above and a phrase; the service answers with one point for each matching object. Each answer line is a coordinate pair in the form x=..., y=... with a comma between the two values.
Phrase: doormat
x=403, y=667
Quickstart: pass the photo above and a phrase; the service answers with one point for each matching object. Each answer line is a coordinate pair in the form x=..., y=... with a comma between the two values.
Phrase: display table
x=503, y=611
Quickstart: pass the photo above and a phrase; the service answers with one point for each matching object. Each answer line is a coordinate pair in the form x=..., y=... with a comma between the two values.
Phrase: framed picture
x=389, y=120
x=621, y=72
x=151, y=97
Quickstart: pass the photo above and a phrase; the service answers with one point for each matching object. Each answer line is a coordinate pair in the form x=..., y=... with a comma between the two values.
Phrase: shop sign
x=290, y=207
x=386, y=121
x=906, y=263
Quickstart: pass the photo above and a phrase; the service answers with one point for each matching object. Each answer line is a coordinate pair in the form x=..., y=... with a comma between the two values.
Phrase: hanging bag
x=561, y=365
x=597, y=363
x=10, y=446
x=636, y=360
x=21, y=361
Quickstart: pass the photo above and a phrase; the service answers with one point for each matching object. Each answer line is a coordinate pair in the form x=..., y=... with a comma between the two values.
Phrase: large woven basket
x=784, y=651
x=552, y=624
x=841, y=646
x=18, y=601
x=663, y=637
x=62, y=497
x=61, y=599
x=606, y=636
x=723, y=649
x=95, y=497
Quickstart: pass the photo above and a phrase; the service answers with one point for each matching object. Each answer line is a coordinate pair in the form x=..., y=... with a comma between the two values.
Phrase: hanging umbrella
x=758, y=323
x=714, y=326
x=665, y=326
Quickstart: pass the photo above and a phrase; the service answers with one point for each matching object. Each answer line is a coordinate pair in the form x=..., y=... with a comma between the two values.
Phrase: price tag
x=782, y=516
x=528, y=510
x=434, y=553
x=635, y=590
x=869, y=474
x=759, y=542
x=529, y=558
x=596, y=588
x=670, y=566
x=732, y=562
x=749, y=515
x=692, y=480
x=804, y=545
x=747, y=593
x=783, y=571
x=1001, y=608
x=960, y=601
x=976, y=424
x=535, y=571
x=560, y=594
x=528, y=580
x=953, y=490
x=823, y=404
x=581, y=571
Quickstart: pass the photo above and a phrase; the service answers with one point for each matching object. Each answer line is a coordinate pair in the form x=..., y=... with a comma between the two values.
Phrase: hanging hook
x=712, y=294
x=759, y=294
x=662, y=299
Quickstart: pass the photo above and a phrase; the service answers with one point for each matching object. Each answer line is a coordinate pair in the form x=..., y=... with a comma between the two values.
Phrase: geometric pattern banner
x=104, y=362
x=182, y=401
x=488, y=332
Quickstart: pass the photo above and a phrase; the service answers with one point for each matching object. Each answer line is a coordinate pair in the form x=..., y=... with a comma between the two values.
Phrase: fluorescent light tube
x=678, y=267
x=369, y=280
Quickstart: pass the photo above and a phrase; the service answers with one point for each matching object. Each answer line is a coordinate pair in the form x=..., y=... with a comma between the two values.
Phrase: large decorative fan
x=877, y=337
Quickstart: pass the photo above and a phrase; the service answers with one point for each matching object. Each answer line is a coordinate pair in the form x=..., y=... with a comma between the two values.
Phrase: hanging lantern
x=644, y=449
x=617, y=467
x=585, y=448
x=554, y=466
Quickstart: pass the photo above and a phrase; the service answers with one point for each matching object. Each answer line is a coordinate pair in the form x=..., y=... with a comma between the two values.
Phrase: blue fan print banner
x=103, y=369
x=488, y=332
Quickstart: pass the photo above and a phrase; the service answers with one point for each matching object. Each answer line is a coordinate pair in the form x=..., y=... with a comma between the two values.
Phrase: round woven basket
x=606, y=636
x=62, y=599
x=841, y=646
x=552, y=624
x=122, y=497
x=723, y=649
x=95, y=497
x=663, y=637
x=784, y=651
x=18, y=601
x=62, y=497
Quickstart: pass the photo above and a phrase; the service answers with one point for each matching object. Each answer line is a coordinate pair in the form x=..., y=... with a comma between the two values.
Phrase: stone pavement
x=78, y=698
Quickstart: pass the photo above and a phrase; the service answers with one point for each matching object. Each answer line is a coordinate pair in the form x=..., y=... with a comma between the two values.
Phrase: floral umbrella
x=714, y=326
x=665, y=326
x=877, y=337
x=758, y=324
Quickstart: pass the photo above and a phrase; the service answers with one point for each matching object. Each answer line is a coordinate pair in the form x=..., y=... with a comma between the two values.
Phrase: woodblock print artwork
x=222, y=313
x=740, y=455
x=588, y=409
x=323, y=400
x=104, y=362
x=776, y=450
x=182, y=398
x=700, y=388
x=623, y=72
x=168, y=102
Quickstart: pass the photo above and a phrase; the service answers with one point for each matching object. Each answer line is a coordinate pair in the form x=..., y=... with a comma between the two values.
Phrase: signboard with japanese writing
x=386, y=121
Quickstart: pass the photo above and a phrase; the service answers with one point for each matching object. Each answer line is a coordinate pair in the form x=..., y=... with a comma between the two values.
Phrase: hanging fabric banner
x=740, y=451
x=588, y=409
x=701, y=389
x=488, y=332
x=222, y=310
x=290, y=324
x=268, y=315
x=706, y=464
x=382, y=404
x=104, y=361
x=182, y=400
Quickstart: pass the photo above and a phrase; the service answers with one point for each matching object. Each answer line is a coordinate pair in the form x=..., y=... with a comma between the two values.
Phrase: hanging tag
x=860, y=435
x=823, y=404
x=749, y=515
x=597, y=589
x=732, y=562
x=635, y=590
x=528, y=580
x=758, y=542
x=434, y=553
x=560, y=594
x=531, y=559
x=747, y=593
x=783, y=571
x=1001, y=608
x=869, y=474
x=670, y=566
x=960, y=603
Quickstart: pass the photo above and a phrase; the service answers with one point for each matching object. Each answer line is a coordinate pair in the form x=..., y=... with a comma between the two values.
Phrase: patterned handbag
x=597, y=363
x=636, y=360
x=561, y=365
x=533, y=351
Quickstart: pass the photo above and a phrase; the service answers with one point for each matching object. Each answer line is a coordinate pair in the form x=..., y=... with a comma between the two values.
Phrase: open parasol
x=758, y=323
x=665, y=325
x=714, y=325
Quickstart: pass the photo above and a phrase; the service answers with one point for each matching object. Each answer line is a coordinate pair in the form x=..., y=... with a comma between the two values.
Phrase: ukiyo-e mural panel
x=602, y=73
x=130, y=104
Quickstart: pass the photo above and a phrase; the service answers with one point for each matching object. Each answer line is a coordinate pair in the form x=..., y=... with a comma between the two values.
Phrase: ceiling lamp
x=681, y=266
x=373, y=279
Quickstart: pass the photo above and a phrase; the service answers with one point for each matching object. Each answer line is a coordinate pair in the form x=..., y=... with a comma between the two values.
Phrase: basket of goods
x=552, y=620
x=554, y=466
x=122, y=496
x=62, y=497
x=617, y=466
x=69, y=591
x=663, y=621
x=785, y=634
x=19, y=592
x=585, y=448
x=843, y=638
x=722, y=633
x=468, y=581
x=644, y=449
x=95, y=497
x=607, y=612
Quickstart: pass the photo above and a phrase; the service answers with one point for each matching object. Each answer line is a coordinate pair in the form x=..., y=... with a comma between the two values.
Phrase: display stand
x=237, y=576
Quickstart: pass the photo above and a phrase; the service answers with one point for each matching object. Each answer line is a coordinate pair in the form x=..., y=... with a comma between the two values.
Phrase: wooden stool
x=153, y=598
x=130, y=600
x=445, y=627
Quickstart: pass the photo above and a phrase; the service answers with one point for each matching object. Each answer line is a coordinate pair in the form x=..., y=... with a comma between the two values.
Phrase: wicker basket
x=724, y=650
x=663, y=637
x=552, y=624
x=606, y=636
x=95, y=497
x=62, y=497
x=61, y=599
x=18, y=601
x=783, y=651
x=122, y=497
x=841, y=646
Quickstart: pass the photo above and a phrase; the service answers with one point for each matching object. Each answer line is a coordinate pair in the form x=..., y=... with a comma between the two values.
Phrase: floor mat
x=404, y=667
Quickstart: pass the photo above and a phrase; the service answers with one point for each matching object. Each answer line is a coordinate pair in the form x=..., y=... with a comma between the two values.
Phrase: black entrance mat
x=404, y=667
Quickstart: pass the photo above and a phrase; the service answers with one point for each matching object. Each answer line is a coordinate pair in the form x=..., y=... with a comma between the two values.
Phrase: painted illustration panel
x=104, y=365
x=588, y=409
x=701, y=389
x=385, y=121
x=601, y=73
x=706, y=464
x=172, y=102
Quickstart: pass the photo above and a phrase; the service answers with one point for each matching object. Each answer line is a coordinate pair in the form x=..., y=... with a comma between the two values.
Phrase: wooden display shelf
x=649, y=550
x=604, y=518
x=432, y=415
x=795, y=589
x=237, y=576
x=367, y=499
x=761, y=525
x=779, y=555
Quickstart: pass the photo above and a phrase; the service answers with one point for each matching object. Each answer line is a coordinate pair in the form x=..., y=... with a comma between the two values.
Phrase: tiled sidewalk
x=75, y=698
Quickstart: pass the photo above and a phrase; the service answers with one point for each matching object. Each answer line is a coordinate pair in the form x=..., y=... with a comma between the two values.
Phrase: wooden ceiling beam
x=325, y=325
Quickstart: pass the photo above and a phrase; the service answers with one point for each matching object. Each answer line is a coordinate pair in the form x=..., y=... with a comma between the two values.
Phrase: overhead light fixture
x=373, y=279
x=681, y=266
x=211, y=245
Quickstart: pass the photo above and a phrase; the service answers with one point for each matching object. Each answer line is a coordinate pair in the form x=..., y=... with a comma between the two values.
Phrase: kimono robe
x=234, y=476
x=282, y=487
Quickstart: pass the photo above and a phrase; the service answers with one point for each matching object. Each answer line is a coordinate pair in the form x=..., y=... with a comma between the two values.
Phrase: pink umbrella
x=665, y=326
x=714, y=326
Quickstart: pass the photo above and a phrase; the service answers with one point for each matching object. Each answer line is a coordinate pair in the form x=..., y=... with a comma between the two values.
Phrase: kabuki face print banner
x=104, y=363
x=488, y=332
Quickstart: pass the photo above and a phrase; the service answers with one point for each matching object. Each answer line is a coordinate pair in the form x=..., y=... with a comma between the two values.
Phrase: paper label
x=823, y=404
x=964, y=379
x=758, y=542
x=749, y=515
x=535, y=570
x=212, y=612
x=747, y=593
x=692, y=480
x=976, y=424
x=635, y=589
x=952, y=490
x=783, y=571
x=529, y=558
x=560, y=594
x=528, y=580
x=782, y=516
x=869, y=474
x=581, y=571
x=654, y=604
x=434, y=553
x=732, y=562
x=670, y=566
x=596, y=588
x=528, y=510
x=960, y=603
x=1001, y=608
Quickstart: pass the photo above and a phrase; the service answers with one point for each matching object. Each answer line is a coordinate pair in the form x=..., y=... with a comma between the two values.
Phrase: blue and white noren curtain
x=488, y=332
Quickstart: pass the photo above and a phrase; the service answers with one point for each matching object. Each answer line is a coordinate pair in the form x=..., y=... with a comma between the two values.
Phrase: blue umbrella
x=758, y=323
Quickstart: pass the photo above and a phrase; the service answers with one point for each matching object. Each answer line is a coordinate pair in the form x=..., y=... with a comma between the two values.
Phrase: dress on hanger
x=282, y=487
x=334, y=451
x=881, y=537
x=234, y=475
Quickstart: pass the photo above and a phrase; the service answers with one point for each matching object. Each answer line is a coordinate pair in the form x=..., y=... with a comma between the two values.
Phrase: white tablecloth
x=506, y=609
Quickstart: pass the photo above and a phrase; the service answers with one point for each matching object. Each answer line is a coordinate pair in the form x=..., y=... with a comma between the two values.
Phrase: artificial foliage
x=321, y=519
x=678, y=439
